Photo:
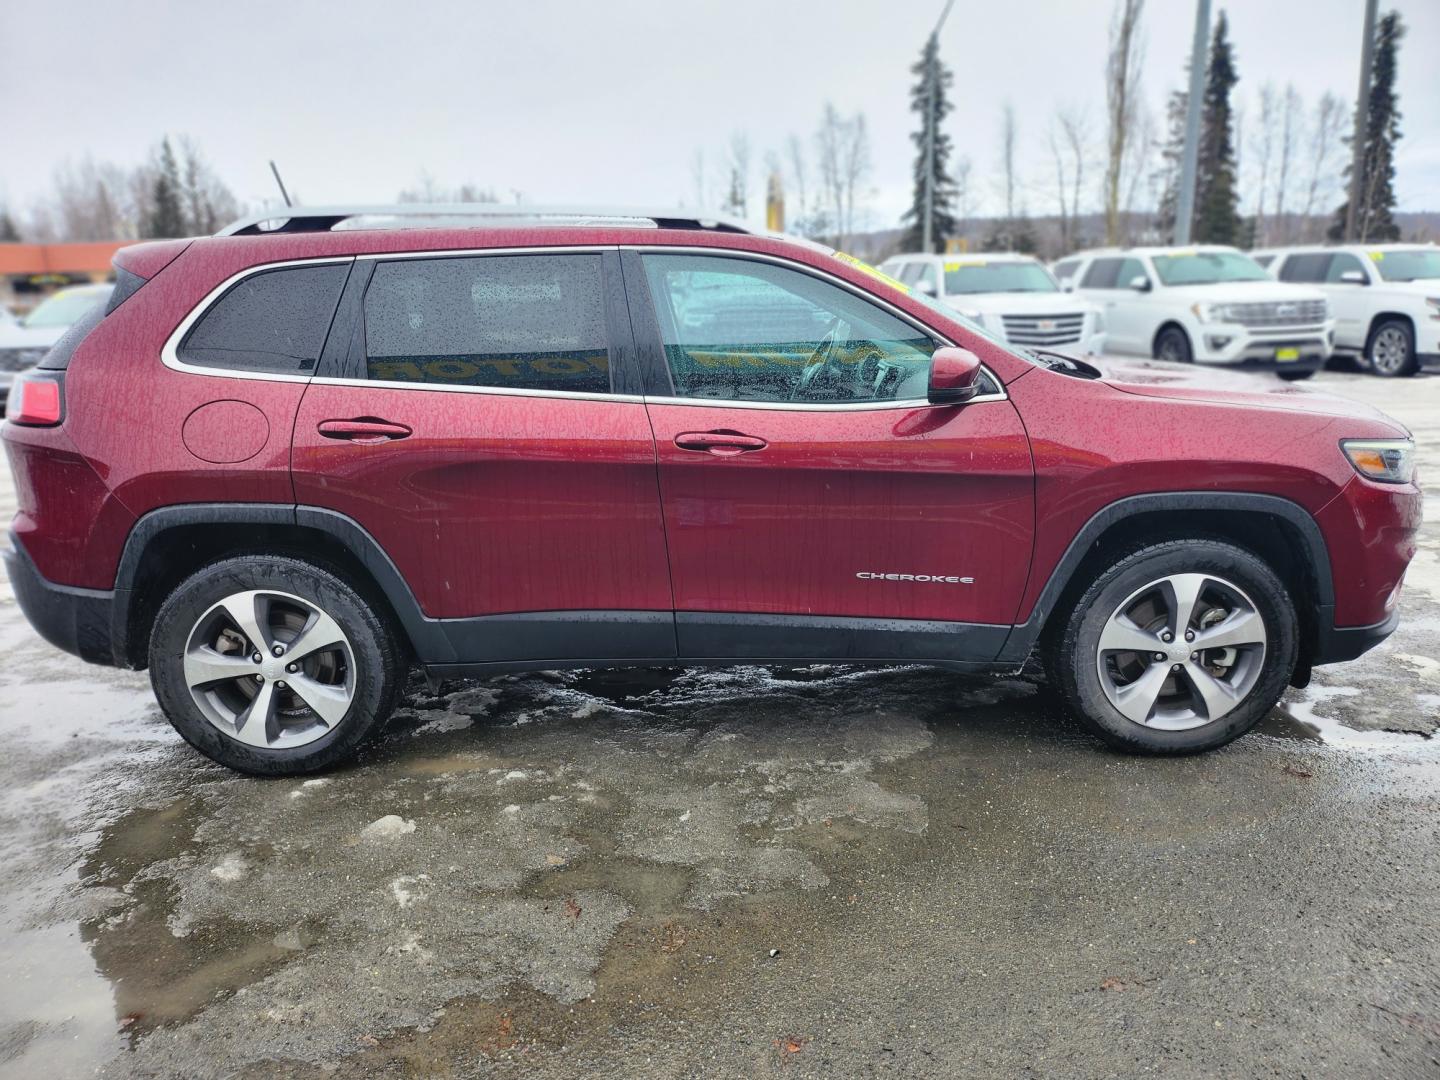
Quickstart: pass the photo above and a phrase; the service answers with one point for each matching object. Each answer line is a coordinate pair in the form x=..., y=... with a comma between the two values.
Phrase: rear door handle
x=363, y=430
x=719, y=443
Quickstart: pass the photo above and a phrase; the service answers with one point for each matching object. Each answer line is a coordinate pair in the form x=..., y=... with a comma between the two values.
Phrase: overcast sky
x=608, y=102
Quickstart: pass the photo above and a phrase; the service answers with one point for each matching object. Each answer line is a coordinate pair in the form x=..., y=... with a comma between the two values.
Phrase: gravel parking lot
x=743, y=872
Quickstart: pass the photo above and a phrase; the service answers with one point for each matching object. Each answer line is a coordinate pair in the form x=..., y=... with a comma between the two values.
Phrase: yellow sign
x=866, y=268
x=956, y=264
x=1376, y=256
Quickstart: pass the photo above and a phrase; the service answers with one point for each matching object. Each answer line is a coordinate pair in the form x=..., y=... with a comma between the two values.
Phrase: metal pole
x=1185, y=201
x=276, y=172
x=932, y=72
x=1362, y=110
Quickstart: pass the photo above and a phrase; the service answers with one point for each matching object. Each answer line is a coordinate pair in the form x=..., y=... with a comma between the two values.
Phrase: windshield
x=65, y=308
x=1207, y=268
x=1407, y=265
x=981, y=276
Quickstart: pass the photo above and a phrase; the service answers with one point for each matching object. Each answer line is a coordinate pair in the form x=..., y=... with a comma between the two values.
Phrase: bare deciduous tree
x=1008, y=134
x=737, y=197
x=1262, y=147
x=1323, y=158
x=1069, y=131
x=842, y=149
x=1122, y=93
x=1292, y=121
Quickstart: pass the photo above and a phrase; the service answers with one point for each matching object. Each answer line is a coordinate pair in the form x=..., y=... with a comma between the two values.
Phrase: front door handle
x=365, y=429
x=719, y=443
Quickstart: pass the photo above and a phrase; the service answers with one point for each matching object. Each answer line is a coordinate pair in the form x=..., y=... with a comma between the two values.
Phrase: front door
x=815, y=504
x=1129, y=323
x=479, y=439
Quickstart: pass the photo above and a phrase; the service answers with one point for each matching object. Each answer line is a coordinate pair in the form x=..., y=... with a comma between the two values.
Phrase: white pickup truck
x=1385, y=298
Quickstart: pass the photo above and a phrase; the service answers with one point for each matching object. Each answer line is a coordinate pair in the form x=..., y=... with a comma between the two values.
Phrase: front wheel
x=1296, y=376
x=1179, y=647
x=1173, y=345
x=273, y=666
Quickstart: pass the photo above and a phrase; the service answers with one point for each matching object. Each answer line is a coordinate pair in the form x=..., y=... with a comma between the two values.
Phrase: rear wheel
x=1392, y=349
x=1177, y=648
x=1173, y=345
x=273, y=666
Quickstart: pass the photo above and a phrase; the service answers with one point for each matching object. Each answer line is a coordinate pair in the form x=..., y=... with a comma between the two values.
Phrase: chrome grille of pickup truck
x=1043, y=330
x=1271, y=313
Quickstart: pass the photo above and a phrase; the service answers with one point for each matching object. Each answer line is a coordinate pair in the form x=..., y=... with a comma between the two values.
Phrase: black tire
x=379, y=663
x=1391, y=349
x=1296, y=376
x=1071, y=658
x=1173, y=344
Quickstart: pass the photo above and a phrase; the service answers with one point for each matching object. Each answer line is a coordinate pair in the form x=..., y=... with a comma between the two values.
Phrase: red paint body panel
x=938, y=491
x=1371, y=530
x=496, y=503
x=1094, y=443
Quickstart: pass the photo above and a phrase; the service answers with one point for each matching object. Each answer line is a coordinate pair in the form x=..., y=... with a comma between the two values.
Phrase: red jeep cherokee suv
x=281, y=467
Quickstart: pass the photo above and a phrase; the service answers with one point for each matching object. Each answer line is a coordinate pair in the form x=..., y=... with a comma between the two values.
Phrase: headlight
x=1099, y=323
x=1391, y=461
x=973, y=316
x=1433, y=303
x=1209, y=312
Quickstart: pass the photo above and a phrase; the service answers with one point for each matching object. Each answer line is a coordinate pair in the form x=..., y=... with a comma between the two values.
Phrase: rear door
x=812, y=497
x=476, y=423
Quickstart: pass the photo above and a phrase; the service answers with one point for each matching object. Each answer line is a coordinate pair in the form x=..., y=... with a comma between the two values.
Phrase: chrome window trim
x=813, y=271
x=169, y=353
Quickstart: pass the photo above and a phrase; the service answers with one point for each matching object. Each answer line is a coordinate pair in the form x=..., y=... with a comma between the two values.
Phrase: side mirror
x=1140, y=283
x=923, y=286
x=954, y=376
x=1354, y=277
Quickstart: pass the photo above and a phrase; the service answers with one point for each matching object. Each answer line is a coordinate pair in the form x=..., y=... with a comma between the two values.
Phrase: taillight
x=36, y=400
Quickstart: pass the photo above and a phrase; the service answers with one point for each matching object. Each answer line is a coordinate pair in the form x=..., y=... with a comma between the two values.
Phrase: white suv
x=1210, y=305
x=1386, y=299
x=1012, y=296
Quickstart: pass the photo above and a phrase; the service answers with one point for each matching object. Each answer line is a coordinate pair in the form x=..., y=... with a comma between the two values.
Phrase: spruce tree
x=1217, y=220
x=166, y=218
x=931, y=72
x=1172, y=155
x=1374, y=219
x=9, y=233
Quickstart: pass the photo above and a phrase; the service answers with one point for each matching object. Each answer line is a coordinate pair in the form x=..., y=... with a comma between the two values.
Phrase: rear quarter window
x=273, y=321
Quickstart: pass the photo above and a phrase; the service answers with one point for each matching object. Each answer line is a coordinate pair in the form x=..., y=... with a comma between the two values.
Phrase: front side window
x=1342, y=262
x=983, y=276
x=1066, y=270
x=1207, y=268
x=274, y=321
x=515, y=322
x=742, y=330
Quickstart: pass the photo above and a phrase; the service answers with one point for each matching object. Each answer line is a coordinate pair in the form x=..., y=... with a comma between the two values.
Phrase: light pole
x=1362, y=111
x=932, y=72
x=1185, y=200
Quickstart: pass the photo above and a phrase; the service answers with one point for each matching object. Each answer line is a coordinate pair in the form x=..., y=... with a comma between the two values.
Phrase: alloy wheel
x=1390, y=351
x=1181, y=652
x=270, y=669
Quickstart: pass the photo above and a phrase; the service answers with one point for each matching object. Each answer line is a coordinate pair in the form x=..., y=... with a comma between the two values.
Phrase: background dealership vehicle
x=1012, y=296
x=1210, y=305
x=1385, y=299
x=660, y=440
x=23, y=342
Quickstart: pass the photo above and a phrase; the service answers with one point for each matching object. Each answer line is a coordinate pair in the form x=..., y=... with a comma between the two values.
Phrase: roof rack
x=304, y=219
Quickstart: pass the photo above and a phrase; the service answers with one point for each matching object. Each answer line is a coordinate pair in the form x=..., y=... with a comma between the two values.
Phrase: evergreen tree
x=9, y=234
x=1217, y=219
x=166, y=218
x=933, y=75
x=1374, y=220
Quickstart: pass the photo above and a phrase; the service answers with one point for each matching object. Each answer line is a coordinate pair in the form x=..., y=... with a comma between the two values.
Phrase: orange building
x=28, y=272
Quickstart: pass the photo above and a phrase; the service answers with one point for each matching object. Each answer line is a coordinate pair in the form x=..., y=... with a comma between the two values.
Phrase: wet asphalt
x=743, y=872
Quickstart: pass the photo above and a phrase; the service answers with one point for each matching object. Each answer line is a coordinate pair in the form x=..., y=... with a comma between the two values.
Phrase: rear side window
x=1342, y=262
x=274, y=321
x=1102, y=274
x=515, y=322
x=1066, y=270
x=1306, y=268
